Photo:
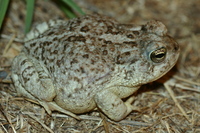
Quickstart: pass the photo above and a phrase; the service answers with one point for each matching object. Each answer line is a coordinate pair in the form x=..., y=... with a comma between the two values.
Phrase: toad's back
x=82, y=52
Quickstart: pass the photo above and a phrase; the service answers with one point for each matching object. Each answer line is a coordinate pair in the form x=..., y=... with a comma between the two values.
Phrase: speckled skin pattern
x=92, y=61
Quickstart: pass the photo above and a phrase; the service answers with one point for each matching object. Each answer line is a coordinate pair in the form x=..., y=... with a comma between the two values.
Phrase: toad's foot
x=52, y=106
x=129, y=103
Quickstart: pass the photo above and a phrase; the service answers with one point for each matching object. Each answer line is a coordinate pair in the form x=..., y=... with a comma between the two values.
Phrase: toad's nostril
x=176, y=47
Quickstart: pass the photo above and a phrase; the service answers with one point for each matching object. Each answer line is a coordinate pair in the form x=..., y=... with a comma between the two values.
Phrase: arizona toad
x=92, y=61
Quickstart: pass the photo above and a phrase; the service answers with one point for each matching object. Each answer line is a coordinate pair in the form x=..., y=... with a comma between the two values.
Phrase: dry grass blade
x=8, y=45
x=7, y=118
x=10, y=36
x=105, y=123
x=166, y=84
x=1, y=131
x=186, y=80
x=41, y=123
x=187, y=88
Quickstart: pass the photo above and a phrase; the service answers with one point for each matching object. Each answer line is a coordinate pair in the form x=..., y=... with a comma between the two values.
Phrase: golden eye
x=158, y=55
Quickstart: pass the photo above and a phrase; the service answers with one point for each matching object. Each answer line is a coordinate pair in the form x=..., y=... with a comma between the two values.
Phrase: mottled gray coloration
x=92, y=61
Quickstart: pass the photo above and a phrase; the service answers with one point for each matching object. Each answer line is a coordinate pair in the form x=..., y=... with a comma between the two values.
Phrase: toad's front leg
x=109, y=101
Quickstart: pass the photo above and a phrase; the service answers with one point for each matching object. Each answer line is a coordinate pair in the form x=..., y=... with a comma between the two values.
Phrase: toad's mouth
x=167, y=70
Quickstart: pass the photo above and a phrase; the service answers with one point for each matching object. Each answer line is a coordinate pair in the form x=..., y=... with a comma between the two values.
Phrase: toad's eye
x=158, y=55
